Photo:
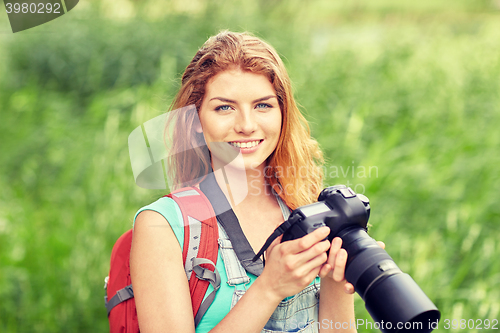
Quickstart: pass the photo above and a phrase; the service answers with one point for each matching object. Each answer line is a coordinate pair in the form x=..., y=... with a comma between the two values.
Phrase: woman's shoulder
x=164, y=206
x=160, y=210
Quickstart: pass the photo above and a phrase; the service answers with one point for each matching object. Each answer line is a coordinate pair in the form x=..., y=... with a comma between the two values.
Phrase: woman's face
x=240, y=112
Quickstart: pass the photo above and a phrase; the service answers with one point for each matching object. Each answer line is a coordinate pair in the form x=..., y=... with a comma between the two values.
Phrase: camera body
x=338, y=207
x=392, y=297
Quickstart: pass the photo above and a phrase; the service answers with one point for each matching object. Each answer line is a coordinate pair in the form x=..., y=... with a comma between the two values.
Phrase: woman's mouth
x=248, y=144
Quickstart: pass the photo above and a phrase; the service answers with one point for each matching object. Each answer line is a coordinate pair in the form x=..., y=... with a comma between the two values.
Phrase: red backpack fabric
x=199, y=255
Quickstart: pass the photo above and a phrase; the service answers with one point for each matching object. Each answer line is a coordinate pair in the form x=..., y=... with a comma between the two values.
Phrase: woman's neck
x=243, y=186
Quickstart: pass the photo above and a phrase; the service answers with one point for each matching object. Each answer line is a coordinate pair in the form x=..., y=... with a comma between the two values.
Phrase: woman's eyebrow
x=223, y=100
x=227, y=100
x=264, y=98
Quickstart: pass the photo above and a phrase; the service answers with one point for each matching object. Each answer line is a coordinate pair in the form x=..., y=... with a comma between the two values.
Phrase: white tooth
x=245, y=144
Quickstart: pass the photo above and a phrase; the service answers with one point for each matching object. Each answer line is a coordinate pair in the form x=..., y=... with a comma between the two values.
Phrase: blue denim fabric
x=298, y=313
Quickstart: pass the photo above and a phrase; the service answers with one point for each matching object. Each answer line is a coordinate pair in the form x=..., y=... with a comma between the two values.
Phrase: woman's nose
x=245, y=122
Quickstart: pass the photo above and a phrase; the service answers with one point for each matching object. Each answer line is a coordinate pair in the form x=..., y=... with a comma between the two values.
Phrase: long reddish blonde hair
x=294, y=168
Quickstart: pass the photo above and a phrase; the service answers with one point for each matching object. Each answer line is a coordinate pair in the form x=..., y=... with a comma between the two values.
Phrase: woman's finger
x=315, y=256
x=334, y=250
x=348, y=288
x=306, y=242
x=335, y=247
x=339, y=267
x=325, y=269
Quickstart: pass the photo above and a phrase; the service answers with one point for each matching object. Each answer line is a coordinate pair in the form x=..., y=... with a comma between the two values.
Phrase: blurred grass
x=410, y=92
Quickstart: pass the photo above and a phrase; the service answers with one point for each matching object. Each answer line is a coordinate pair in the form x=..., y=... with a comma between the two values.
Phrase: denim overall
x=298, y=313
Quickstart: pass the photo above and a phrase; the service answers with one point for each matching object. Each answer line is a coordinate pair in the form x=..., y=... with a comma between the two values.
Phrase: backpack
x=199, y=255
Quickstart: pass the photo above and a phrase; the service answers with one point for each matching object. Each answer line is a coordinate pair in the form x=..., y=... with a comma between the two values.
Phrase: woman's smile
x=246, y=146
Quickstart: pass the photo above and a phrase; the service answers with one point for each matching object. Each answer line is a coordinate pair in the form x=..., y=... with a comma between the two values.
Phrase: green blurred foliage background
x=404, y=98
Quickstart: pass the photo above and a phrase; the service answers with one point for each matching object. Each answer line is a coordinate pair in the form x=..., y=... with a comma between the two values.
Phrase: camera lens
x=391, y=297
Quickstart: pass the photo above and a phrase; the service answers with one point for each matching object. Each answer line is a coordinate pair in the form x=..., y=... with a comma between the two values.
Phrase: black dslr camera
x=391, y=297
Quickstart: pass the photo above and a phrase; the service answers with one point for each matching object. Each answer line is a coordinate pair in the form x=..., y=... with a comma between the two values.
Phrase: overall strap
x=284, y=208
x=236, y=274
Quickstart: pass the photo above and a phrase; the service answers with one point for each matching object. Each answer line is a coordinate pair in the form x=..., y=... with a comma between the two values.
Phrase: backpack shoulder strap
x=200, y=248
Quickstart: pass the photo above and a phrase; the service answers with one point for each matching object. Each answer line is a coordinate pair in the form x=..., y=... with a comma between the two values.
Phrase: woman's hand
x=291, y=266
x=335, y=266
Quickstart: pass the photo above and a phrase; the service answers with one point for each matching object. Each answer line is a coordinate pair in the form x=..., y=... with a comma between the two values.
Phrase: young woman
x=244, y=103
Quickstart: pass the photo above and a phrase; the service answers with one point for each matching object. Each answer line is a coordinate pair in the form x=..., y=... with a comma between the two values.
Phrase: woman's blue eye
x=223, y=108
x=264, y=105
